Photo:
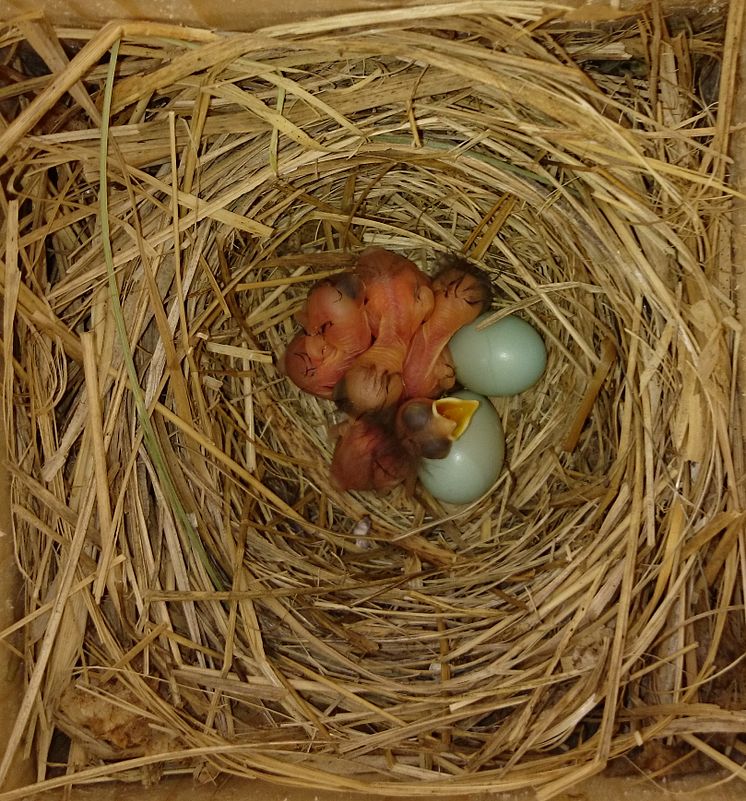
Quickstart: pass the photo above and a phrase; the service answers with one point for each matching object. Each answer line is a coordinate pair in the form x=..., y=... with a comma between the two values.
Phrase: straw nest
x=198, y=597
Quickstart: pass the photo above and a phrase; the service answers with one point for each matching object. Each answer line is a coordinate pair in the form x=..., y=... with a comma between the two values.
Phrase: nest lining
x=237, y=613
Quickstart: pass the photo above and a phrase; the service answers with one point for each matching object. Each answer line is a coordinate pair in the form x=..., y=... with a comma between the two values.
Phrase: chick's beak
x=427, y=428
x=458, y=411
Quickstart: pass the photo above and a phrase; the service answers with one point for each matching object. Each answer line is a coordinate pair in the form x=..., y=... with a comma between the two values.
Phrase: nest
x=198, y=597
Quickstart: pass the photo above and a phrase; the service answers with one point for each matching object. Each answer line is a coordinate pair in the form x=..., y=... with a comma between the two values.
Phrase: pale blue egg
x=505, y=358
x=474, y=461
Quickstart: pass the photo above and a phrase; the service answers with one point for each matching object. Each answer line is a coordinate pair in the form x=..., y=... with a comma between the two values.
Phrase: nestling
x=426, y=428
x=398, y=298
x=460, y=296
x=368, y=457
x=334, y=309
x=314, y=365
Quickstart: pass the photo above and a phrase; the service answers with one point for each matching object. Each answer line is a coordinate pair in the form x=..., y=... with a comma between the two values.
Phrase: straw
x=199, y=598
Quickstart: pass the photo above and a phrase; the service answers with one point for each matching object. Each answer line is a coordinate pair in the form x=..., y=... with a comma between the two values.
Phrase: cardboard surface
x=715, y=787
x=247, y=15
x=738, y=177
x=11, y=609
x=227, y=15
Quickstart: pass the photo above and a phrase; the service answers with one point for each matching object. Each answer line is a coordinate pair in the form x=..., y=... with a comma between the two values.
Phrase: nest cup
x=224, y=604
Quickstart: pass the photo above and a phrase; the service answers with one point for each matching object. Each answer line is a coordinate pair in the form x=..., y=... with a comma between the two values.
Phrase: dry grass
x=198, y=597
